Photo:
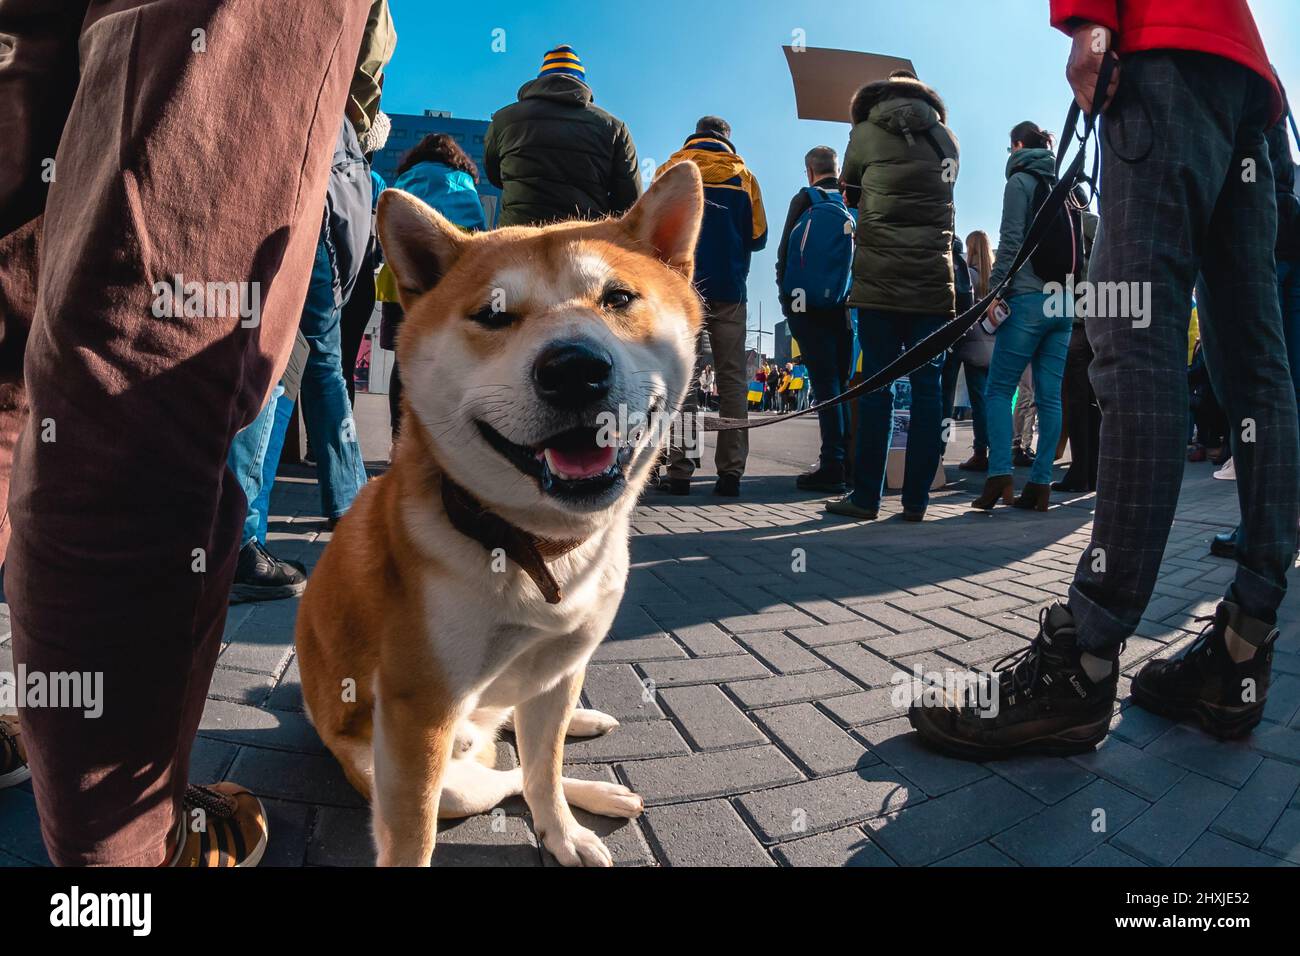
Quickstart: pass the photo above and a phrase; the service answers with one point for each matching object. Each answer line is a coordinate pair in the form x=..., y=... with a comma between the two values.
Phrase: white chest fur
x=495, y=638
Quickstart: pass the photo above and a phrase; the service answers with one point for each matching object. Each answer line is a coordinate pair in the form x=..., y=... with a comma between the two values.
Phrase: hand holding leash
x=1092, y=44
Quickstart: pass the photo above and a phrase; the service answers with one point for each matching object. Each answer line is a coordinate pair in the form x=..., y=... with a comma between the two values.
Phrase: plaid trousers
x=1186, y=186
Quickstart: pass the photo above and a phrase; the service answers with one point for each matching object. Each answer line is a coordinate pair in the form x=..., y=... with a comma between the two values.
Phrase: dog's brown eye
x=618, y=299
x=490, y=318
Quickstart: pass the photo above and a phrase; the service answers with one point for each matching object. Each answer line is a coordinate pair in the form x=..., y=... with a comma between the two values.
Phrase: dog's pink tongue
x=580, y=463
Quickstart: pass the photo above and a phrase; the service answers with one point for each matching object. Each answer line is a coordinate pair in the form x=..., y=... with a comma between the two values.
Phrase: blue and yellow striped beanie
x=564, y=61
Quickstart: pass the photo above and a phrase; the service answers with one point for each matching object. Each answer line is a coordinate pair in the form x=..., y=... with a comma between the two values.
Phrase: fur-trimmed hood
x=897, y=88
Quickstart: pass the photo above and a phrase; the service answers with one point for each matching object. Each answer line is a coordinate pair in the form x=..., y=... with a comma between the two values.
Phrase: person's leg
x=881, y=342
x=818, y=338
x=951, y=372
x=38, y=79
x=925, y=426
x=390, y=321
x=1049, y=370
x=247, y=461
x=284, y=409
x=1156, y=234
x=683, y=461
x=1023, y=432
x=726, y=329
x=356, y=316
x=976, y=383
x=1288, y=293
x=1013, y=348
x=331, y=427
x=1077, y=407
x=126, y=527
x=1245, y=351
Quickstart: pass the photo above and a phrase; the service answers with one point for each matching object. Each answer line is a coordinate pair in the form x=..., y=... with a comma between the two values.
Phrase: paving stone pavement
x=750, y=666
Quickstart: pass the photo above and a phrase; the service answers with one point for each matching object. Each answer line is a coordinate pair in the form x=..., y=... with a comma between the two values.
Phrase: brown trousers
x=143, y=140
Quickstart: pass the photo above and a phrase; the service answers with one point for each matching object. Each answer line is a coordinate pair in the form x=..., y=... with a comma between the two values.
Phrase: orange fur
x=399, y=610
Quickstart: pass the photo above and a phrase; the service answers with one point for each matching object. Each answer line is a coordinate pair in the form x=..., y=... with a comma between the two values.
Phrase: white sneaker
x=1228, y=472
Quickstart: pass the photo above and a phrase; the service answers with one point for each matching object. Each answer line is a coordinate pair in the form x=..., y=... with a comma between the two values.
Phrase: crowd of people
x=867, y=255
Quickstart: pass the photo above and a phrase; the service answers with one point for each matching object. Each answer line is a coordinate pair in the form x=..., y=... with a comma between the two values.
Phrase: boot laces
x=1195, y=650
x=1020, y=670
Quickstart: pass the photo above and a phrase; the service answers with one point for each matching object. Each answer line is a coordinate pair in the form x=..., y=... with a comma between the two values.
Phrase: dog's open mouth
x=572, y=464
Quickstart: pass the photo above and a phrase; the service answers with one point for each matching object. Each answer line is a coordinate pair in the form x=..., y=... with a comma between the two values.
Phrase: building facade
x=409, y=129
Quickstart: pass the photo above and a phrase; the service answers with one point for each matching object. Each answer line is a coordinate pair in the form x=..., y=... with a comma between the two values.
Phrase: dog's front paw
x=607, y=799
x=576, y=846
x=590, y=723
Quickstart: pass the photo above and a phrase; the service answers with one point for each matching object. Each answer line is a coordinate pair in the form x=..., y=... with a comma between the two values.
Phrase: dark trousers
x=125, y=528
x=391, y=316
x=826, y=347
x=976, y=379
x=356, y=316
x=1082, y=413
x=1186, y=206
x=883, y=336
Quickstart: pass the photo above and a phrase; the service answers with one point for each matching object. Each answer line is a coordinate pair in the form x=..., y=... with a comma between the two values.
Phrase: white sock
x=1097, y=668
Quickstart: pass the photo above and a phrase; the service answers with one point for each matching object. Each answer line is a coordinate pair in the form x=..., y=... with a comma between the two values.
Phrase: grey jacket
x=1026, y=170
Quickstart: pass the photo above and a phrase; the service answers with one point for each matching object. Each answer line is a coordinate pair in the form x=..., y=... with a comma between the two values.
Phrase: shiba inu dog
x=467, y=588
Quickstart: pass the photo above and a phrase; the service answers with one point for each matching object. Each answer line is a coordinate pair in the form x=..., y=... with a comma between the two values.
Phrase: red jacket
x=1222, y=27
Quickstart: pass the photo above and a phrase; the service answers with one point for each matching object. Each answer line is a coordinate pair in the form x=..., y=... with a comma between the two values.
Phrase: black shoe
x=1224, y=544
x=675, y=486
x=825, y=477
x=1069, y=483
x=1022, y=458
x=728, y=486
x=1039, y=700
x=261, y=576
x=1204, y=683
x=909, y=515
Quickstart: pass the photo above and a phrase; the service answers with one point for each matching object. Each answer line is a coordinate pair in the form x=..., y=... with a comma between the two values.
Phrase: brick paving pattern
x=750, y=666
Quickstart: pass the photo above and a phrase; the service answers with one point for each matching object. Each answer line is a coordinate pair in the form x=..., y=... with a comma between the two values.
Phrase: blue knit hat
x=564, y=61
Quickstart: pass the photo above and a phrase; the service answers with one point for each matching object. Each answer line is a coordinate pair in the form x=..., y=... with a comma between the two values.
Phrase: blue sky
x=659, y=66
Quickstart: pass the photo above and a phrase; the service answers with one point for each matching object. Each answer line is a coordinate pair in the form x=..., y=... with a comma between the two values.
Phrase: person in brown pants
x=150, y=148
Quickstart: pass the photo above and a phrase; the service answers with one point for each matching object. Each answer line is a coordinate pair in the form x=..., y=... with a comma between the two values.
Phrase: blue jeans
x=248, y=460
x=1028, y=337
x=883, y=336
x=826, y=348
x=325, y=406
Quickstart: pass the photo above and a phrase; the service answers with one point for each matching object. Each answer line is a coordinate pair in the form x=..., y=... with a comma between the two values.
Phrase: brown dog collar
x=468, y=516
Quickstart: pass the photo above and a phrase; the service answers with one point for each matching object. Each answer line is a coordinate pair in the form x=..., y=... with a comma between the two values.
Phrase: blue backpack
x=819, y=257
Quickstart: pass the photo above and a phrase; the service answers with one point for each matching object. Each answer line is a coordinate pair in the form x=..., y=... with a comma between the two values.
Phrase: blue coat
x=450, y=191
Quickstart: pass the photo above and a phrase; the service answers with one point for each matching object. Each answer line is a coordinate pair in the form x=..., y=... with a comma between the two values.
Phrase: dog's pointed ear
x=667, y=218
x=420, y=244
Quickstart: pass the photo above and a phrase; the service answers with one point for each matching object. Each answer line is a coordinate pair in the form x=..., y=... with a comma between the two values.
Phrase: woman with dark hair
x=1032, y=334
x=439, y=172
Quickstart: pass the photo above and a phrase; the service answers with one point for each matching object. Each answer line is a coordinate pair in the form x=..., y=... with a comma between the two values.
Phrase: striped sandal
x=223, y=825
x=13, y=757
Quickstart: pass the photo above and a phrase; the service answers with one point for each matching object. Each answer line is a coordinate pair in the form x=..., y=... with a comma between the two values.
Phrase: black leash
x=945, y=338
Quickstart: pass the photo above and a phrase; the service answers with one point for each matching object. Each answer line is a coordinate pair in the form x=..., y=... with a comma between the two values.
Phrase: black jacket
x=556, y=155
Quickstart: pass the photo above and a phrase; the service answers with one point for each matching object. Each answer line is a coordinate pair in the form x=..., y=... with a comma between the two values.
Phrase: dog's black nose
x=573, y=374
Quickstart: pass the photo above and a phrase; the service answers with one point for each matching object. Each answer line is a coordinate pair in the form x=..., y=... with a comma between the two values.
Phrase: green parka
x=901, y=166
